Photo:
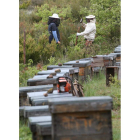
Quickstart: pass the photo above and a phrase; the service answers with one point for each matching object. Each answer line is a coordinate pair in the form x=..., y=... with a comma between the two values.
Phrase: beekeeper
x=90, y=30
x=53, y=23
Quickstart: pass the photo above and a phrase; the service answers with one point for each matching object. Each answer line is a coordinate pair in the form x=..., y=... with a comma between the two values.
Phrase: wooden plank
x=21, y=110
x=80, y=104
x=41, y=93
x=32, y=121
x=38, y=102
x=77, y=126
x=44, y=128
x=48, y=72
x=23, y=90
x=41, y=81
x=50, y=67
x=81, y=118
x=33, y=111
x=80, y=64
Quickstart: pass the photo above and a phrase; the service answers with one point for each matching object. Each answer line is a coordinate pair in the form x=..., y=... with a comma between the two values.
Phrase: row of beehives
x=67, y=117
x=92, y=114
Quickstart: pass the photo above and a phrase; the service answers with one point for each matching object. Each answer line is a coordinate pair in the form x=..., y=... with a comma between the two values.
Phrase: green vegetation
x=25, y=4
x=24, y=131
x=33, y=18
x=34, y=23
x=95, y=87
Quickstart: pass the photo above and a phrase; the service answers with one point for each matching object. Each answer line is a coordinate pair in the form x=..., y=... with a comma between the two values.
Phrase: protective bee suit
x=53, y=23
x=90, y=29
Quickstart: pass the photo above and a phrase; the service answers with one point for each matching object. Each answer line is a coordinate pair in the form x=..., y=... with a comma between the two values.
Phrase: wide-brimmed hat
x=55, y=16
x=90, y=16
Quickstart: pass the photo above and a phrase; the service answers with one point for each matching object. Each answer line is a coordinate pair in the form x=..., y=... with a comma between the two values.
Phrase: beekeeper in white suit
x=90, y=30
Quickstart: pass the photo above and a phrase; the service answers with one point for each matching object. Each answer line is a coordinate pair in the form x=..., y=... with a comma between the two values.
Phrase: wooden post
x=24, y=51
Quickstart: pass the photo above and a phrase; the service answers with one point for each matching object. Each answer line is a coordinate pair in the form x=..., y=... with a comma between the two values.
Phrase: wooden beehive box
x=34, y=94
x=76, y=69
x=21, y=111
x=70, y=71
x=33, y=111
x=23, y=92
x=118, y=57
x=41, y=93
x=83, y=68
x=73, y=72
x=106, y=60
x=89, y=70
x=32, y=121
x=50, y=67
x=51, y=72
x=117, y=49
x=98, y=61
x=113, y=57
x=86, y=118
x=44, y=80
x=118, y=63
x=44, y=101
x=44, y=131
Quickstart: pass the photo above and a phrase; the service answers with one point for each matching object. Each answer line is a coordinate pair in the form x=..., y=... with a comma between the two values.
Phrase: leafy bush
x=26, y=72
x=107, y=14
x=25, y=4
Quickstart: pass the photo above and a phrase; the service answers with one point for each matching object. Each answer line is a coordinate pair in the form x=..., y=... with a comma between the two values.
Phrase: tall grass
x=24, y=131
x=97, y=87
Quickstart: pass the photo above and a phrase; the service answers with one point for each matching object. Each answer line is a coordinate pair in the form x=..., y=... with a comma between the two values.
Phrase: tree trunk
x=24, y=51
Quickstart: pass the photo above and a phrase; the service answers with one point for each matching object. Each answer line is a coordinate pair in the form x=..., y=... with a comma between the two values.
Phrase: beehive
x=41, y=93
x=89, y=70
x=44, y=100
x=23, y=92
x=84, y=66
x=33, y=111
x=32, y=121
x=57, y=66
x=85, y=118
x=44, y=131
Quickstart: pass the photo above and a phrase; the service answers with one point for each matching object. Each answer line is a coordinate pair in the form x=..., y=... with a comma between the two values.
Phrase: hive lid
x=23, y=90
x=40, y=76
x=80, y=64
x=33, y=94
x=36, y=108
x=43, y=79
x=80, y=104
x=35, y=88
x=117, y=54
x=51, y=96
x=34, y=120
x=63, y=70
x=81, y=100
x=47, y=72
x=45, y=101
x=44, y=124
x=56, y=66
x=48, y=97
x=87, y=59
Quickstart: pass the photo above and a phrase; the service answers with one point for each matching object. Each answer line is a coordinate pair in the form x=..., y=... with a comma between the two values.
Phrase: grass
x=97, y=87
x=94, y=87
x=24, y=131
